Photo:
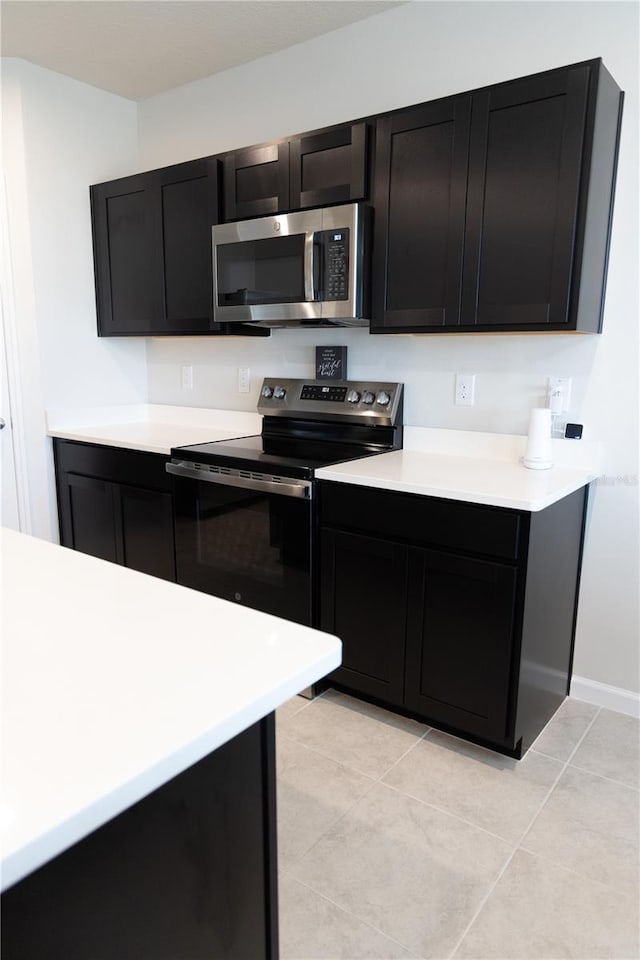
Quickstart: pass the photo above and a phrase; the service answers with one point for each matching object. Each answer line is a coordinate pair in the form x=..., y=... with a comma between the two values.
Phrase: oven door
x=246, y=539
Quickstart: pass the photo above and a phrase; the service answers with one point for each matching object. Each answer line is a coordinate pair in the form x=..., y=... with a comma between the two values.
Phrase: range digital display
x=315, y=391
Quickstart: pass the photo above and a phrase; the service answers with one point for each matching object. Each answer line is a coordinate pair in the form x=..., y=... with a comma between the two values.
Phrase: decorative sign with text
x=331, y=363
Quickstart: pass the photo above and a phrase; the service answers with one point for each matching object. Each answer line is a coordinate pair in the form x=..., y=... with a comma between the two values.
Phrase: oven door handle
x=284, y=486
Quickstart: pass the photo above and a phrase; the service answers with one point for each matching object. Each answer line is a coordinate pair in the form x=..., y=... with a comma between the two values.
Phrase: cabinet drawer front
x=423, y=520
x=113, y=463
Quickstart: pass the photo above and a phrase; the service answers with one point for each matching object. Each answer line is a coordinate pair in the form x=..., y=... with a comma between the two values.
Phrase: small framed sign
x=331, y=363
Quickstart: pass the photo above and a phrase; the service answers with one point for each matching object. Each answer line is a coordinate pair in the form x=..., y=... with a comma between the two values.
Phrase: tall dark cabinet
x=493, y=209
x=420, y=197
x=152, y=251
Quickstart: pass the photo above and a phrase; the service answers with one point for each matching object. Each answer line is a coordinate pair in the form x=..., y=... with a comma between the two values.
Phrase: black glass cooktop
x=291, y=457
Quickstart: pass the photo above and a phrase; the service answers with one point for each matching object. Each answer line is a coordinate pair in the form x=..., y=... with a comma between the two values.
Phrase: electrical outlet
x=559, y=394
x=465, y=389
x=244, y=380
x=186, y=376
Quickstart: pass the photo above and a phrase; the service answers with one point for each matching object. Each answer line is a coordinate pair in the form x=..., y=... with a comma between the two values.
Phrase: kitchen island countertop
x=114, y=682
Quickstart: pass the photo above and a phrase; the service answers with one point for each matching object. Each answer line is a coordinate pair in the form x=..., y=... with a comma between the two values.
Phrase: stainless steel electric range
x=246, y=510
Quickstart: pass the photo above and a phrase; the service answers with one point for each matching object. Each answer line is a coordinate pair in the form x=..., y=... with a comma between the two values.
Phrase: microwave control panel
x=335, y=245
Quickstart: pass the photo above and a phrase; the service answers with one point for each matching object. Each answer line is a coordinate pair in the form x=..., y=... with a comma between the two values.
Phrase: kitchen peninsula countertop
x=473, y=467
x=114, y=682
x=152, y=428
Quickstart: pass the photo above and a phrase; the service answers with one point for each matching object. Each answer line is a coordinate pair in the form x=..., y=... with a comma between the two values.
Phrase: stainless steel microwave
x=304, y=269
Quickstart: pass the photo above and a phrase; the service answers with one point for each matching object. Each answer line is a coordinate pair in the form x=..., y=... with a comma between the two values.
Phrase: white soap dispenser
x=537, y=456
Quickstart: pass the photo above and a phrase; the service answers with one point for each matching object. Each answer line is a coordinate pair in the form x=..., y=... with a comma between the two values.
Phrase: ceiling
x=138, y=48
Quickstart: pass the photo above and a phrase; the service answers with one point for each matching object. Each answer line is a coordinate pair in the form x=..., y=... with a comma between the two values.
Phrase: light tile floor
x=398, y=841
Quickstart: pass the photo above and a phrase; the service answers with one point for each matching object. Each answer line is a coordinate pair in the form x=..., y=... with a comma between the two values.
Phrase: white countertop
x=115, y=681
x=153, y=428
x=473, y=467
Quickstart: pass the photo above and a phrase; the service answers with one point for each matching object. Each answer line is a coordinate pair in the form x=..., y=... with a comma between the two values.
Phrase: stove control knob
x=267, y=392
x=383, y=398
x=368, y=397
x=353, y=396
x=279, y=393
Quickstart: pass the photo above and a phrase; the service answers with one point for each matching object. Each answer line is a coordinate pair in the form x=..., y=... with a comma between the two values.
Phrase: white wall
x=418, y=52
x=59, y=136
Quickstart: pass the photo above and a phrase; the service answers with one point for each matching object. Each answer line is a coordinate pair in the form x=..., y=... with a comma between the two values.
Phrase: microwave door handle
x=309, y=286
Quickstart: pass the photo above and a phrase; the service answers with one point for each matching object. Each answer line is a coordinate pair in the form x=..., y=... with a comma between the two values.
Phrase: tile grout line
x=374, y=782
x=448, y=813
x=518, y=845
x=618, y=783
x=576, y=873
x=334, y=823
x=355, y=916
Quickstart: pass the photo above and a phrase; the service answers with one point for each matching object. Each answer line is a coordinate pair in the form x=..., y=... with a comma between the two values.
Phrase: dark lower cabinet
x=459, y=614
x=146, y=521
x=88, y=516
x=116, y=504
x=460, y=633
x=370, y=622
x=187, y=873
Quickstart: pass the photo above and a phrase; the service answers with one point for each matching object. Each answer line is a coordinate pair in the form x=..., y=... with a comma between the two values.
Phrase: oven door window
x=253, y=272
x=252, y=548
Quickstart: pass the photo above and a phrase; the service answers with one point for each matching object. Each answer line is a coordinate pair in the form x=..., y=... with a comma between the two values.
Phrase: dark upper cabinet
x=528, y=186
x=313, y=170
x=329, y=167
x=525, y=167
x=256, y=181
x=188, y=195
x=420, y=197
x=127, y=255
x=152, y=251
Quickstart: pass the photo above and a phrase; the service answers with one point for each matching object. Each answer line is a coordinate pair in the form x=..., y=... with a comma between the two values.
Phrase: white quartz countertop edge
x=469, y=479
x=114, y=682
x=150, y=428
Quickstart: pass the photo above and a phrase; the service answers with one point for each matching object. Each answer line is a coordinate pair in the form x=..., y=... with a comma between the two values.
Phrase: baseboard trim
x=603, y=695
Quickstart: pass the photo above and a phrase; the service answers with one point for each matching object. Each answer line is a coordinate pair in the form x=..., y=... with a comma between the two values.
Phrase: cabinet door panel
x=147, y=531
x=256, y=181
x=189, y=203
x=87, y=516
x=126, y=237
x=524, y=178
x=460, y=634
x=363, y=601
x=420, y=191
x=329, y=167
